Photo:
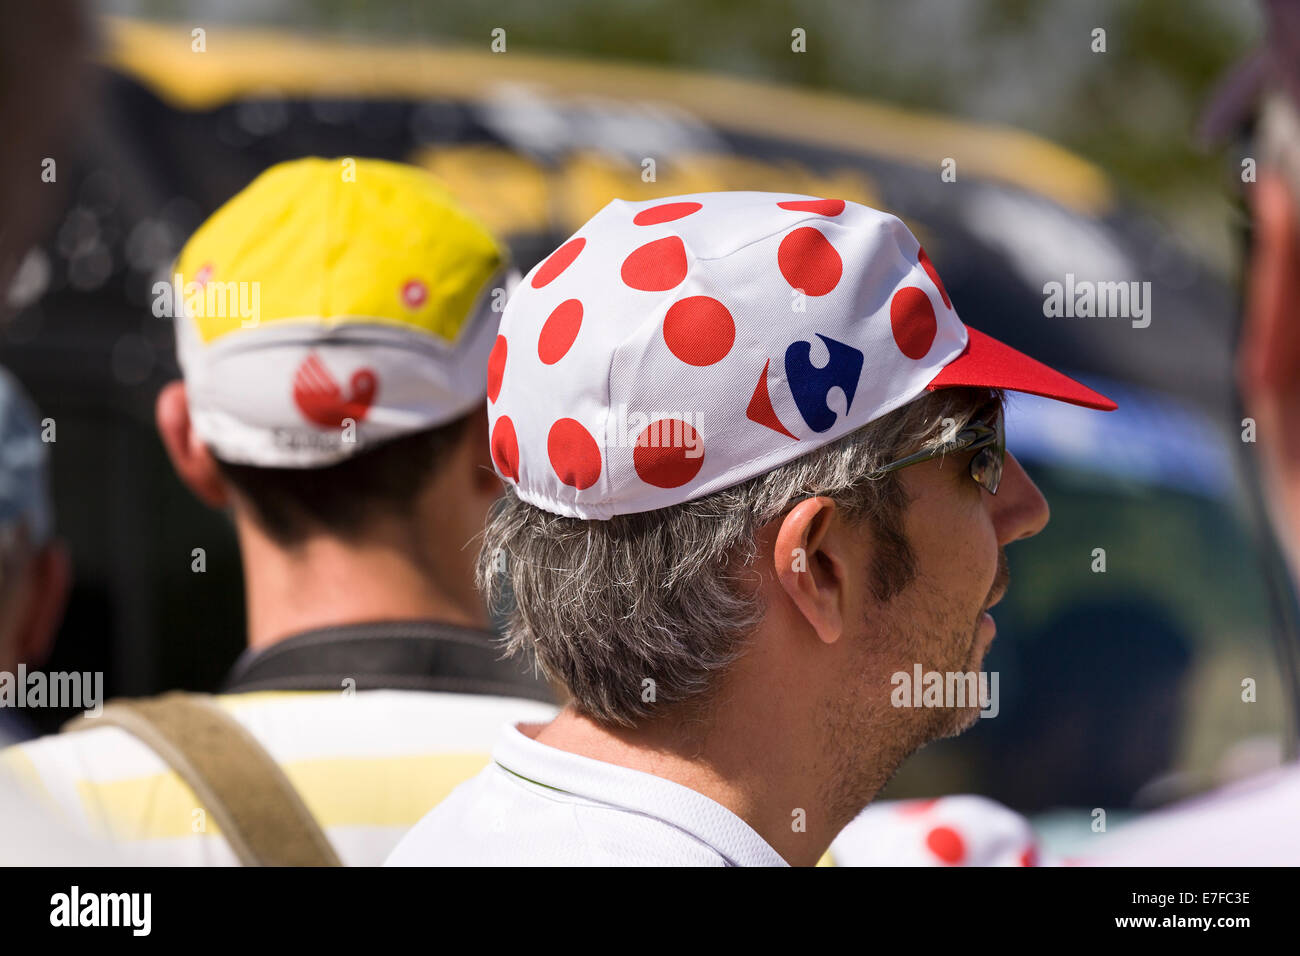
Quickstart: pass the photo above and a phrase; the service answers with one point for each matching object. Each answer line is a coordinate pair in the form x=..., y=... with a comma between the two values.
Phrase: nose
x=1019, y=508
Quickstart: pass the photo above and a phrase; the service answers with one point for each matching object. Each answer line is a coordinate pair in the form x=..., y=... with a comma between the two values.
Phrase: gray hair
x=648, y=609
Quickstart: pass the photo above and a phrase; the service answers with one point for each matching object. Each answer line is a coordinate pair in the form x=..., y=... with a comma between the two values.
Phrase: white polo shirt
x=535, y=805
x=1253, y=822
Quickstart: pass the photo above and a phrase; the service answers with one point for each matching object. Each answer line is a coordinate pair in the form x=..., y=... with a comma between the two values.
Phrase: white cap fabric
x=962, y=830
x=282, y=398
x=679, y=346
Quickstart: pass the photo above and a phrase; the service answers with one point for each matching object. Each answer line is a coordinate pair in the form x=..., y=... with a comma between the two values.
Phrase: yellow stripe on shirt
x=16, y=762
x=339, y=791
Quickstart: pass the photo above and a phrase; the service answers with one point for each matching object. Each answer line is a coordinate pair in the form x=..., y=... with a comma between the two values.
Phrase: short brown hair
x=290, y=503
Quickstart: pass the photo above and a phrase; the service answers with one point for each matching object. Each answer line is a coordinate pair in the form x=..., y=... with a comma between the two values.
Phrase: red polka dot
x=665, y=213
x=559, y=331
x=558, y=261
x=574, y=454
x=917, y=807
x=947, y=844
x=912, y=318
x=699, y=330
x=505, y=448
x=1029, y=857
x=933, y=273
x=657, y=266
x=823, y=207
x=809, y=262
x=668, y=453
x=496, y=368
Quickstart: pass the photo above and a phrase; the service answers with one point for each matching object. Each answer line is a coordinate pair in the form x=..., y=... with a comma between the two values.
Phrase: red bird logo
x=323, y=403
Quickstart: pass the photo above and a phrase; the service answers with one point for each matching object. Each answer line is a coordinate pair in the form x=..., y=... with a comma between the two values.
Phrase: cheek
x=970, y=562
x=955, y=543
x=981, y=552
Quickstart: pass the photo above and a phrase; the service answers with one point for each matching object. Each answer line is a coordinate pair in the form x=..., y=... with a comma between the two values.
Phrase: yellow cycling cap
x=331, y=305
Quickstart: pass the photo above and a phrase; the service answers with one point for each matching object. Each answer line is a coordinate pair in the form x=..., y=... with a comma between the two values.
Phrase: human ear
x=190, y=457
x=810, y=567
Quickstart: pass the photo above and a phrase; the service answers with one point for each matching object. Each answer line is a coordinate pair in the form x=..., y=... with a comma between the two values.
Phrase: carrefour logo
x=811, y=386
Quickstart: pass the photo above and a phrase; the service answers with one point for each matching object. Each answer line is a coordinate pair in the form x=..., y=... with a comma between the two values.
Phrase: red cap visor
x=987, y=363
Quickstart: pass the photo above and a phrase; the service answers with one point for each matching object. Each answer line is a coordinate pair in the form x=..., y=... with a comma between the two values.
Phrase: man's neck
x=752, y=771
x=326, y=582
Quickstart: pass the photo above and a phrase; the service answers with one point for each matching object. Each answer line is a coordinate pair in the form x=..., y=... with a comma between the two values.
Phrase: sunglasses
x=987, y=437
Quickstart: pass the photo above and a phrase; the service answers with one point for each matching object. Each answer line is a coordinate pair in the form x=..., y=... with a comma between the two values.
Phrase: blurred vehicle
x=1145, y=659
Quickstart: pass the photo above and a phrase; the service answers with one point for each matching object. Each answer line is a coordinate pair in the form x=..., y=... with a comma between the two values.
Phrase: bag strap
x=259, y=812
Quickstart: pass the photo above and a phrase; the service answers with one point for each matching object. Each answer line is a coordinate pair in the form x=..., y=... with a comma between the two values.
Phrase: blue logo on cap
x=811, y=386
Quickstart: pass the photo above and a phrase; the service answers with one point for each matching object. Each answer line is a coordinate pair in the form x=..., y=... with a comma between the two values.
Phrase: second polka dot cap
x=679, y=346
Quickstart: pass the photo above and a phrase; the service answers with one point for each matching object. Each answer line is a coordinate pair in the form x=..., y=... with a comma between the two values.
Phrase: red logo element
x=323, y=403
x=414, y=293
x=204, y=274
x=760, y=406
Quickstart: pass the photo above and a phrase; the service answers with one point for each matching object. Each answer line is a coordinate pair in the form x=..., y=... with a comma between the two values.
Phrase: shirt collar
x=624, y=788
x=386, y=655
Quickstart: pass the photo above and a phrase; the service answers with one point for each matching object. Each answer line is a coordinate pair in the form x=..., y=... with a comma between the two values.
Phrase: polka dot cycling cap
x=679, y=346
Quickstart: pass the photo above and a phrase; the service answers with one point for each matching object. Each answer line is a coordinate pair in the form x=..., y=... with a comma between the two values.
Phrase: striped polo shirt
x=368, y=762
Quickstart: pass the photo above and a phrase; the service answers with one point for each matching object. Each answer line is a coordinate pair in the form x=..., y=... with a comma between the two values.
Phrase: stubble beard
x=868, y=737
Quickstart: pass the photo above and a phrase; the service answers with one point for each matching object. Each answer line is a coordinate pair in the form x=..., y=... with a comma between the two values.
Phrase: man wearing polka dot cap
x=756, y=469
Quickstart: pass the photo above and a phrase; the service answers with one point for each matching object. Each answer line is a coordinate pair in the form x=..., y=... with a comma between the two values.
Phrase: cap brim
x=987, y=363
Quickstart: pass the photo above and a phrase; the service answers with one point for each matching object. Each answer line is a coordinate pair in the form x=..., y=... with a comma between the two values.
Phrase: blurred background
x=1119, y=689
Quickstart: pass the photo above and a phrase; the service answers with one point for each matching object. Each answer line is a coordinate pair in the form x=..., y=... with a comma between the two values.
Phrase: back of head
x=345, y=499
